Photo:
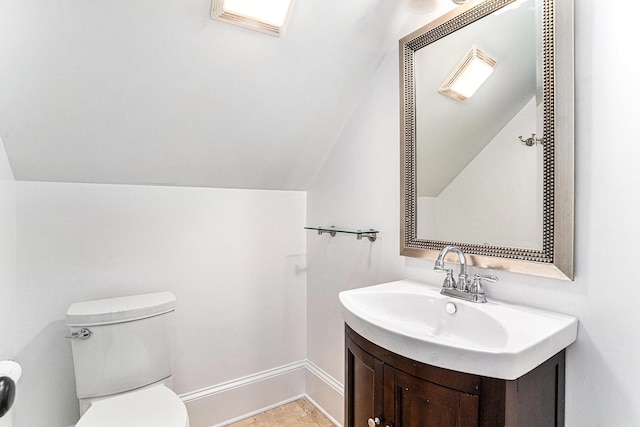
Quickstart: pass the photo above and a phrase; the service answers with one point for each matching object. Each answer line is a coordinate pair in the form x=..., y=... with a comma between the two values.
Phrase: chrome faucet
x=463, y=288
x=463, y=280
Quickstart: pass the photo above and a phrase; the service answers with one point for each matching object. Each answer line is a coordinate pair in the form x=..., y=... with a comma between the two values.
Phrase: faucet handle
x=449, y=281
x=487, y=277
x=476, y=287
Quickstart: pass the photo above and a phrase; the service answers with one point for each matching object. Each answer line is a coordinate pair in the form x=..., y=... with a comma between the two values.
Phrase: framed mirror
x=490, y=168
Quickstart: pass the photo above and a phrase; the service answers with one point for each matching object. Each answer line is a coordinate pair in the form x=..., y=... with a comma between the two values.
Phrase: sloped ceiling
x=452, y=133
x=140, y=92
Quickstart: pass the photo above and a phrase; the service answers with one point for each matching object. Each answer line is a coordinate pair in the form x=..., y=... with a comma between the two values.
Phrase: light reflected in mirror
x=476, y=181
x=492, y=173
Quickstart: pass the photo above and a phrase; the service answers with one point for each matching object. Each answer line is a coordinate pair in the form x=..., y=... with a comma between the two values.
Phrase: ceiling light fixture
x=269, y=16
x=472, y=71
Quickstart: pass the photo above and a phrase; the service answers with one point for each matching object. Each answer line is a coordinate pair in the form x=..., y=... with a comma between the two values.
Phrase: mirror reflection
x=488, y=164
x=479, y=161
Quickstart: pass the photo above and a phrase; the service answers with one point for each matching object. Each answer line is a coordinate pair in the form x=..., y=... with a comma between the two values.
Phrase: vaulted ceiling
x=139, y=92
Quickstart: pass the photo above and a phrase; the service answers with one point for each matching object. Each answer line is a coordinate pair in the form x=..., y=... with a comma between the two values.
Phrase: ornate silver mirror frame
x=555, y=259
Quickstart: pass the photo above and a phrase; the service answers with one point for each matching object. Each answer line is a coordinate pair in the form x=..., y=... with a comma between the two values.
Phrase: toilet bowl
x=155, y=406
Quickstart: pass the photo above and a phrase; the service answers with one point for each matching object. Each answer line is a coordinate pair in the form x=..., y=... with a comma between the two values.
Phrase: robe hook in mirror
x=530, y=142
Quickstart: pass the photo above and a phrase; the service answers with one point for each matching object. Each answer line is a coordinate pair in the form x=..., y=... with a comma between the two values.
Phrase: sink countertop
x=493, y=339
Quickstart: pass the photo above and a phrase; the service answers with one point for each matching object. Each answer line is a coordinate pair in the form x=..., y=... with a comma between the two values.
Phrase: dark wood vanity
x=386, y=389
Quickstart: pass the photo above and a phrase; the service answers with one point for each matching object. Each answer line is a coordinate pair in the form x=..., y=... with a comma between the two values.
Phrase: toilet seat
x=155, y=406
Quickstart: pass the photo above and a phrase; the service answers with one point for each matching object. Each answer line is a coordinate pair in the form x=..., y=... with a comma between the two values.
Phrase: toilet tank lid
x=121, y=309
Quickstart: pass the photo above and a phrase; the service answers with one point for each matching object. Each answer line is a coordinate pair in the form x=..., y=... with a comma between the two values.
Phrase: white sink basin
x=494, y=339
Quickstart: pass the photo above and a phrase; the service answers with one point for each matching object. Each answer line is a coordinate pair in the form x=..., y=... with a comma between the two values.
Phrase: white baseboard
x=324, y=412
x=242, y=382
x=325, y=377
x=325, y=392
x=244, y=397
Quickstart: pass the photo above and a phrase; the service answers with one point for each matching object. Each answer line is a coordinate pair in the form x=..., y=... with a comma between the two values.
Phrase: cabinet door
x=363, y=386
x=419, y=403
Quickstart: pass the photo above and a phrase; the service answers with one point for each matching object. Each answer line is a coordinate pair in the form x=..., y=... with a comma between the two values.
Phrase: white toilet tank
x=121, y=344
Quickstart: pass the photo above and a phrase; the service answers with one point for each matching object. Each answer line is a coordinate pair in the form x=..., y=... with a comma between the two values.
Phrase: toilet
x=122, y=361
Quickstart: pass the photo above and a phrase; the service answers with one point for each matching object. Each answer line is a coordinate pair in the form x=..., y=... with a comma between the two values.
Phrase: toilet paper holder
x=10, y=373
x=7, y=394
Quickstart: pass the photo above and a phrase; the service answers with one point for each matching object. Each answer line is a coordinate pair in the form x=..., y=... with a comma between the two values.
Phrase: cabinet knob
x=373, y=422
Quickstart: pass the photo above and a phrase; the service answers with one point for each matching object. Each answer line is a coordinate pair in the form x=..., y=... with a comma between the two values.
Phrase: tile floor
x=299, y=413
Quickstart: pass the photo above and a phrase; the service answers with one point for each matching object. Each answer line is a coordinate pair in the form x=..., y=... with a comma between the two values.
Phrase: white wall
x=363, y=190
x=358, y=187
x=503, y=188
x=235, y=259
x=7, y=256
x=426, y=218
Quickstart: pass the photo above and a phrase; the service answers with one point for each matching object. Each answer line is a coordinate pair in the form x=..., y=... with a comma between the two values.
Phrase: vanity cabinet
x=384, y=387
